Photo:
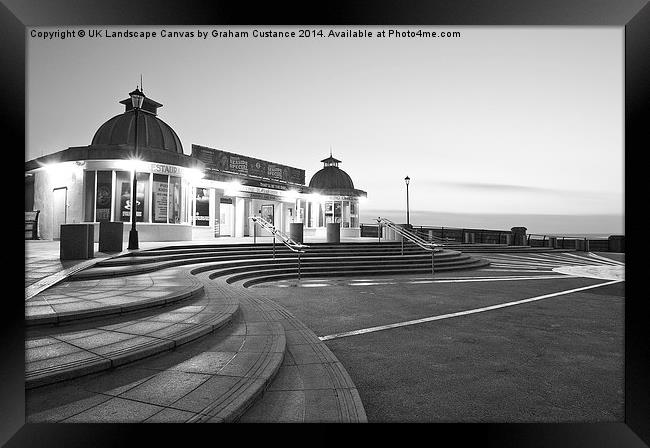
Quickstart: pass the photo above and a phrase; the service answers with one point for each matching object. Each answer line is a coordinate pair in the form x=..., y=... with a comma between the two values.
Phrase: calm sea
x=575, y=226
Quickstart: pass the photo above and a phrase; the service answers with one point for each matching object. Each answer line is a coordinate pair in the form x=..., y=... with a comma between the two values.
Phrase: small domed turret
x=331, y=177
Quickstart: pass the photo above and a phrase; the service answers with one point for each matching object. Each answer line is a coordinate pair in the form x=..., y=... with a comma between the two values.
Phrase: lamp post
x=137, y=98
x=407, y=180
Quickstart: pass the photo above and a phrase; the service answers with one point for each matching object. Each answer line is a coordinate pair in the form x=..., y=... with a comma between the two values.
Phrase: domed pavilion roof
x=152, y=131
x=333, y=180
x=331, y=177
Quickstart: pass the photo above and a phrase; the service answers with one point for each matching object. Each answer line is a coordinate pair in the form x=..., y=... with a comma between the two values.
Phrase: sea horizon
x=574, y=226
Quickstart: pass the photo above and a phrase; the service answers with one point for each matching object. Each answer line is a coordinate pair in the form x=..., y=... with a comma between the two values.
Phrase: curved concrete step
x=57, y=354
x=74, y=301
x=112, y=270
x=311, y=386
x=334, y=266
x=238, y=254
x=243, y=256
x=215, y=379
x=257, y=278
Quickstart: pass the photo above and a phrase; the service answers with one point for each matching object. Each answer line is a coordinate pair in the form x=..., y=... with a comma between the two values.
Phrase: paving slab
x=217, y=378
x=71, y=301
x=69, y=352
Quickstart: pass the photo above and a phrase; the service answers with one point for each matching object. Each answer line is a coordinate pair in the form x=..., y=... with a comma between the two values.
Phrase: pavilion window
x=123, y=197
x=159, y=199
x=103, y=196
x=89, y=196
x=175, y=199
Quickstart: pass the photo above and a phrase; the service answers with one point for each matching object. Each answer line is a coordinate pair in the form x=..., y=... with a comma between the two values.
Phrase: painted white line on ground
x=524, y=263
x=591, y=254
x=519, y=266
x=493, y=279
x=563, y=260
x=591, y=260
x=557, y=259
x=370, y=283
x=461, y=313
x=603, y=272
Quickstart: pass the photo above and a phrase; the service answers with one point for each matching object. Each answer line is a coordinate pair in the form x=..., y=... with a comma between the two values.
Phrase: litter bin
x=111, y=236
x=77, y=241
x=296, y=231
x=333, y=232
x=518, y=236
x=616, y=243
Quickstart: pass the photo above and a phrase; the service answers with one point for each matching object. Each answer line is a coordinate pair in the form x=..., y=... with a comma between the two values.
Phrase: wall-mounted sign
x=125, y=202
x=160, y=190
x=267, y=213
x=104, y=196
x=237, y=164
x=202, y=210
x=161, y=168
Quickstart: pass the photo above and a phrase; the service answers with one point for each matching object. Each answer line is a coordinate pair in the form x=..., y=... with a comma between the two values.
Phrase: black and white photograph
x=326, y=224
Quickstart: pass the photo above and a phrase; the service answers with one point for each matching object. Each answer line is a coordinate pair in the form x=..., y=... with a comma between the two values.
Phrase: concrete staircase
x=261, y=262
x=174, y=335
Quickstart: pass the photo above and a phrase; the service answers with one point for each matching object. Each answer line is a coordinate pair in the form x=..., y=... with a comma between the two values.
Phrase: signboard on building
x=126, y=205
x=104, y=196
x=202, y=207
x=160, y=191
x=228, y=162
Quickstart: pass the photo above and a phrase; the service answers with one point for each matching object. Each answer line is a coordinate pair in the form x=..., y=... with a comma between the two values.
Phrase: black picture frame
x=634, y=15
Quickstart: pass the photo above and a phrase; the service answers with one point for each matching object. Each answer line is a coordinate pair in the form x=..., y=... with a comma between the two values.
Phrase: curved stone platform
x=54, y=354
x=216, y=378
x=71, y=301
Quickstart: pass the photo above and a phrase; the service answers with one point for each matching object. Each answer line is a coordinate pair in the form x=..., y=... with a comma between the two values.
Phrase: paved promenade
x=531, y=337
x=117, y=349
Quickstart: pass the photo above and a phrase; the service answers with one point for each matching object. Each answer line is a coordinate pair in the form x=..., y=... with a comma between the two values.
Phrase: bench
x=31, y=225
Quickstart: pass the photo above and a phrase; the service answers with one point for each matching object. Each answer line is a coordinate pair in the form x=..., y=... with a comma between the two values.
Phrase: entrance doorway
x=226, y=218
x=59, y=211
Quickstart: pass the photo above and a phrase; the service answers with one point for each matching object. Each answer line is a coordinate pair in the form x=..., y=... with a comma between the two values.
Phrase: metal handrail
x=442, y=241
x=426, y=245
x=293, y=246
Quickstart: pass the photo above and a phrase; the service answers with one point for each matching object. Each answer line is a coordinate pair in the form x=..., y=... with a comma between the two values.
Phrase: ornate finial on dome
x=330, y=161
x=148, y=104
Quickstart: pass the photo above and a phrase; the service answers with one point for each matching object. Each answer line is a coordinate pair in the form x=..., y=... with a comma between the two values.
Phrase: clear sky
x=502, y=120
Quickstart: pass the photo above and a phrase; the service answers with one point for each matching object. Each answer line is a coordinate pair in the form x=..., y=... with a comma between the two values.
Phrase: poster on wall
x=175, y=200
x=125, y=202
x=337, y=212
x=202, y=210
x=160, y=190
x=267, y=213
x=104, y=197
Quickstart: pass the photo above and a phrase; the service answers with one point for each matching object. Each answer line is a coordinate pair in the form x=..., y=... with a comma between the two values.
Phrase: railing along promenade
x=457, y=235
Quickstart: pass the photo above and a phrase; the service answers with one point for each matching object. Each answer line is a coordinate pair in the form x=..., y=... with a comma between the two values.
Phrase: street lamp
x=407, y=180
x=137, y=98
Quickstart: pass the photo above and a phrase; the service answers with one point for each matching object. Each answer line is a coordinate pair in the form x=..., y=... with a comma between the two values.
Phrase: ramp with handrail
x=293, y=246
x=411, y=236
